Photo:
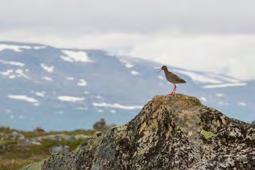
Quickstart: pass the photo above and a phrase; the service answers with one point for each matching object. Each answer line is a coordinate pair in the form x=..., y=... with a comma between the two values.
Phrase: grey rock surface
x=170, y=132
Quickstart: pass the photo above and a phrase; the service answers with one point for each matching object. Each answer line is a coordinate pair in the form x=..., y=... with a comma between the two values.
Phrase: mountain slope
x=72, y=88
x=169, y=133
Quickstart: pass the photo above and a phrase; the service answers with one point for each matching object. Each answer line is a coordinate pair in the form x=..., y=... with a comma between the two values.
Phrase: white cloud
x=187, y=34
x=80, y=16
x=228, y=54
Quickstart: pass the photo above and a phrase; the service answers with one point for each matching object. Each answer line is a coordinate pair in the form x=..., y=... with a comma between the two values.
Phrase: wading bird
x=172, y=78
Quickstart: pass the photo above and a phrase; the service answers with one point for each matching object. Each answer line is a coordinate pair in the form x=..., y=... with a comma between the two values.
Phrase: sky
x=204, y=35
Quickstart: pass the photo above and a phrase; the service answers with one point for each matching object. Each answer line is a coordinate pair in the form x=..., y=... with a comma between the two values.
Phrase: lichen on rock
x=170, y=132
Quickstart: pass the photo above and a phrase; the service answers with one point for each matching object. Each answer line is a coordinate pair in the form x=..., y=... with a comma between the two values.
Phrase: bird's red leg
x=173, y=92
x=174, y=89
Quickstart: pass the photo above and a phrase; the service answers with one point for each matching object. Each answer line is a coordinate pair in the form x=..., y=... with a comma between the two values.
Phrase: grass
x=16, y=156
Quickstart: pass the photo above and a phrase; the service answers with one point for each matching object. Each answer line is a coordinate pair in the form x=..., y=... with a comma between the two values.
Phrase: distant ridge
x=41, y=84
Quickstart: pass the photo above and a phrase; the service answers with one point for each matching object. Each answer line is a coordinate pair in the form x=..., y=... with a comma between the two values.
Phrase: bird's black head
x=163, y=67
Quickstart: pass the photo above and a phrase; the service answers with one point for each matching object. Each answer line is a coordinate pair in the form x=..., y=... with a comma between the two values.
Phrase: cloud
x=216, y=36
x=85, y=16
x=228, y=54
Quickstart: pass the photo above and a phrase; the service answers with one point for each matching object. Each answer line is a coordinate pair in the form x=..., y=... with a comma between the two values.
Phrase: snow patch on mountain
x=21, y=117
x=47, y=68
x=14, y=63
x=75, y=56
x=210, y=80
x=40, y=93
x=47, y=78
x=113, y=111
x=199, y=78
x=219, y=95
x=81, y=82
x=100, y=110
x=242, y=104
x=98, y=97
x=116, y=106
x=24, y=98
x=70, y=99
x=82, y=108
x=224, y=85
x=16, y=48
x=70, y=78
x=11, y=116
x=7, y=72
x=204, y=99
x=18, y=73
x=39, y=47
x=135, y=73
x=126, y=63
x=160, y=77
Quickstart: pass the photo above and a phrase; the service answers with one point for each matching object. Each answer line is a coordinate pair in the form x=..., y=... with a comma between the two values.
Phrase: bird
x=172, y=78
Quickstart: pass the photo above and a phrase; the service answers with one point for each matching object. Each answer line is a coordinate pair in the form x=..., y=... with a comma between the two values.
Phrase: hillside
x=67, y=89
x=19, y=148
x=170, y=132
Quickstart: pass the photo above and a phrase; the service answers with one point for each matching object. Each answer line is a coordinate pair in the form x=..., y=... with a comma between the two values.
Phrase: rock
x=59, y=149
x=98, y=133
x=3, y=146
x=25, y=142
x=62, y=137
x=170, y=132
x=253, y=122
x=16, y=136
x=32, y=141
x=100, y=125
x=81, y=137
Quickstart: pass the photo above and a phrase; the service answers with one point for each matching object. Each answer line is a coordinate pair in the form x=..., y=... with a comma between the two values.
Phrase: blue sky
x=216, y=36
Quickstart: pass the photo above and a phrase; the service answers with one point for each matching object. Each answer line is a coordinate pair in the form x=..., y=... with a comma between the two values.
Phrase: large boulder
x=170, y=132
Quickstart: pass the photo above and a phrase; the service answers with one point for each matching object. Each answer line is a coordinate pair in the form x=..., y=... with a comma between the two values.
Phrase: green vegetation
x=18, y=150
x=34, y=166
x=207, y=134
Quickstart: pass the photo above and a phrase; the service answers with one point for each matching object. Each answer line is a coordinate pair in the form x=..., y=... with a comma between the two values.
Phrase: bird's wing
x=177, y=78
